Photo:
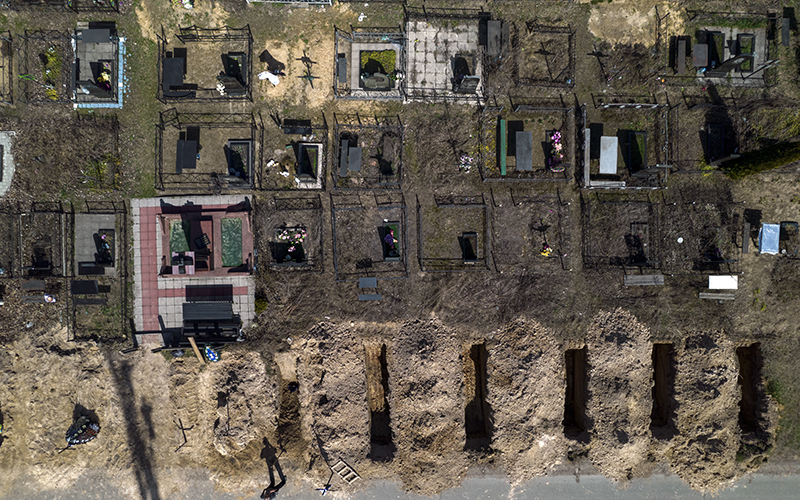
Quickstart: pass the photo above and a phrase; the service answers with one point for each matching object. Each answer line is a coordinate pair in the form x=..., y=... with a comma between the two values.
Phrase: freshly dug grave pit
x=477, y=423
x=575, y=422
x=525, y=388
x=620, y=391
x=662, y=418
x=426, y=393
x=381, y=443
x=749, y=358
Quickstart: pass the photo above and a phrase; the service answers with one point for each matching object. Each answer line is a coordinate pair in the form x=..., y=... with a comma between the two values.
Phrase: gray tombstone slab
x=341, y=68
x=354, y=160
x=96, y=36
x=524, y=151
x=785, y=25
x=343, y=149
x=608, y=155
x=700, y=55
x=494, y=30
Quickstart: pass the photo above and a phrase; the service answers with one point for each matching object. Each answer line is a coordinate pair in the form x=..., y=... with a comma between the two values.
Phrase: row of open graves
x=577, y=398
x=71, y=258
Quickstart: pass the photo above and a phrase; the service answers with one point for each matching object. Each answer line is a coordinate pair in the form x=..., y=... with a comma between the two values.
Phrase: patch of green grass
x=761, y=160
x=378, y=61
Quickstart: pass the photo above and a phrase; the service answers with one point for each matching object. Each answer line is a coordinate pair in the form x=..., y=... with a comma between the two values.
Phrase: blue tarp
x=769, y=238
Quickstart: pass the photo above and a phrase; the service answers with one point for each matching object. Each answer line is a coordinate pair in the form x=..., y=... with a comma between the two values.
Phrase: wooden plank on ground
x=746, y=238
x=717, y=296
x=643, y=279
x=196, y=350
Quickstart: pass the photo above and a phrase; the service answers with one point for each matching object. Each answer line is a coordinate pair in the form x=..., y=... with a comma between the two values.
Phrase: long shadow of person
x=268, y=454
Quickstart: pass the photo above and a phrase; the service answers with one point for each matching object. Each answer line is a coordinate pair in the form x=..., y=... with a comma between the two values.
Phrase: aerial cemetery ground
x=459, y=238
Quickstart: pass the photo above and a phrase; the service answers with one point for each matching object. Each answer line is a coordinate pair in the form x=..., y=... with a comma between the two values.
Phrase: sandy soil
x=525, y=392
x=629, y=22
x=394, y=400
x=620, y=401
x=427, y=395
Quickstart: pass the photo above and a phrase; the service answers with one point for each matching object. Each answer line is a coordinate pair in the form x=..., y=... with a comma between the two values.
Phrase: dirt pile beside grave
x=525, y=390
x=332, y=393
x=704, y=452
x=620, y=399
x=246, y=401
x=427, y=395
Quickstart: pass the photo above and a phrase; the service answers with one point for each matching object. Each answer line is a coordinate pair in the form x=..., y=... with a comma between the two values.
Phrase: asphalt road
x=93, y=486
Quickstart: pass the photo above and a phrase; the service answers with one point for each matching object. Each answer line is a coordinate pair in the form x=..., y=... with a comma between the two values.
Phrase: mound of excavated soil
x=620, y=388
x=427, y=396
x=333, y=393
x=704, y=452
x=525, y=390
x=246, y=401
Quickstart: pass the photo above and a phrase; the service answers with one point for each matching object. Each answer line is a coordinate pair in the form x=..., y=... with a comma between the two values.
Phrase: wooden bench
x=469, y=247
x=90, y=302
x=785, y=26
x=681, y=57
x=33, y=286
x=367, y=282
x=746, y=238
x=717, y=296
x=644, y=280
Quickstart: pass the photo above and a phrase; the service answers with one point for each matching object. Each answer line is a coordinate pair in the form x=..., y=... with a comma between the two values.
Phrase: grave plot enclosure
x=540, y=56
x=721, y=49
x=45, y=66
x=625, y=142
x=529, y=234
x=202, y=64
x=534, y=142
x=368, y=152
x=206, y=151
x=369, y=236
x=453, y=235
x=96, y=67
x=702, y=237
x=289, y=233
x=296, y=154
x=42, y=231
x=369, y=64
x=445, y=54
x=620, y=233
